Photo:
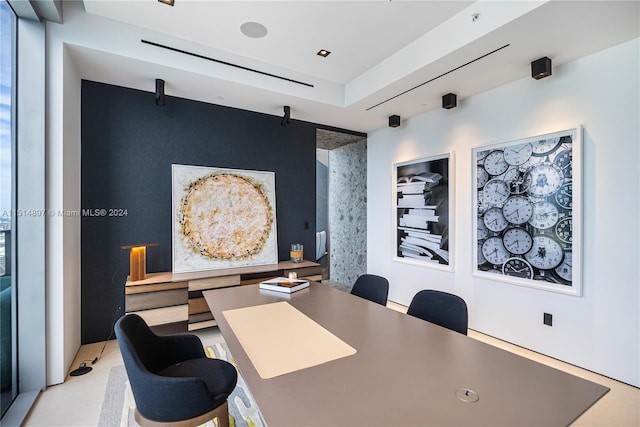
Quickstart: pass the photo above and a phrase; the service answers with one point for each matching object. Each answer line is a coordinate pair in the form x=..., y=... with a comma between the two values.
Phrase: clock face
x=494, y=220
x=483, y=205
x=564, y=161
x=517, y=267
x=496, y=191
x=483, y=231
x=545, y=253
x=494, y=251
x=516, y=180
x=517, y=209
x=517, y=241
x=545, y=215
x=481, y=258
x=564, y=230
x=518, y=154
x=481, y=155
x=495, y=164
x=482, y=176
x=544, y=147
x=544, y=179
x=564, y=196
x=565, y=269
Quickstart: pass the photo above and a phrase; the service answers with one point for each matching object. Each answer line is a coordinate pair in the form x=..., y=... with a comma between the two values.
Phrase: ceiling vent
x=173, y=49
x=441, y=75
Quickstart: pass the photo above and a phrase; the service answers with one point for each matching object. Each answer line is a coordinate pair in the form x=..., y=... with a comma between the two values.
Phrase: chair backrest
x=442, y=308
x=372, y=287
x=138, y=344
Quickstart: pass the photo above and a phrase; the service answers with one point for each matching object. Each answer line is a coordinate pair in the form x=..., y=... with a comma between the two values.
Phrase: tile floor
x=78, y=401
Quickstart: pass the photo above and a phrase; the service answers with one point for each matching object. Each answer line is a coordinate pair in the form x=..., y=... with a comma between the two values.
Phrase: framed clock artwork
x=527, y=211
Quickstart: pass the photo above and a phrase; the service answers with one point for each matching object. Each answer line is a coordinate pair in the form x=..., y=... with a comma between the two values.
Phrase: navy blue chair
x=442, y=308
x=172, y=380
x=372, y=287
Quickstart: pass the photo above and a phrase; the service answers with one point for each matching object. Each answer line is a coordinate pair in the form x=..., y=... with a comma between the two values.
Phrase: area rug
x=118, y=406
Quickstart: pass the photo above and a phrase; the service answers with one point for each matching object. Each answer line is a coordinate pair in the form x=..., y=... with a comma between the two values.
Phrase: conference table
x=401, y=370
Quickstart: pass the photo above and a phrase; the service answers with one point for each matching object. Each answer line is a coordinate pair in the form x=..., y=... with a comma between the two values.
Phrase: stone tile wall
x=348, y=212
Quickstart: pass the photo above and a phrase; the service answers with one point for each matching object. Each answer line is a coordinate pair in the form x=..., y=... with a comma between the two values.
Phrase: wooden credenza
x=173, y=302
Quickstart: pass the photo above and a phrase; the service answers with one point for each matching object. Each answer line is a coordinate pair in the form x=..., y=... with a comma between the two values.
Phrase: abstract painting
x=222, y=218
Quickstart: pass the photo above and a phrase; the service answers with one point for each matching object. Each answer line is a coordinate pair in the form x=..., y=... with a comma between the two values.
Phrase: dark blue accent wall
x=128, y=147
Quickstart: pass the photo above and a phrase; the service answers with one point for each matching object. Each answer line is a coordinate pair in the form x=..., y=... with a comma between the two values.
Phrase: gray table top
x=406, y=372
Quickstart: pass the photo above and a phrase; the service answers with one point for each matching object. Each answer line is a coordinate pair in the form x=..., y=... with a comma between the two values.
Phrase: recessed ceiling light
x=169, y=2
x=255, y=30
x=324, y=53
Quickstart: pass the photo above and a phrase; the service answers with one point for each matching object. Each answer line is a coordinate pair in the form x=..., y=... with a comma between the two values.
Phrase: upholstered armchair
x=171, y=378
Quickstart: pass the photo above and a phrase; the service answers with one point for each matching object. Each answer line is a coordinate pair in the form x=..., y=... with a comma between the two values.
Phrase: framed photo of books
x=527, y=211
x=423, y=197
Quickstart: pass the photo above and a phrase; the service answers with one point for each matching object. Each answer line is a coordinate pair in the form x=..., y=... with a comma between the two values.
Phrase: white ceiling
x=379, y=49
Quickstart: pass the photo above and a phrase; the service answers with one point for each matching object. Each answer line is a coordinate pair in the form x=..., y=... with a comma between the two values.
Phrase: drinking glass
x=297, y=252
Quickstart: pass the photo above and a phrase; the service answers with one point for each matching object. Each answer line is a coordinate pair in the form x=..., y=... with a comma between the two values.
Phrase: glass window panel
x=7, y=59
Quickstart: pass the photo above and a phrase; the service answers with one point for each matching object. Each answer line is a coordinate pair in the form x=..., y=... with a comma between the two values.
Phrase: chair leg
x=222, y=414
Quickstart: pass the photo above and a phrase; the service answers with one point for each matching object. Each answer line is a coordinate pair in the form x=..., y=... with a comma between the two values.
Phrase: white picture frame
x=527, y=211
x=423, y=195
x=222, y=218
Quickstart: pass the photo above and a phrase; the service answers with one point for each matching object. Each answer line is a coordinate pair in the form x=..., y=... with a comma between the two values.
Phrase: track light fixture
x=394, y=121
x=449, y=101
x=159, y=92
x=286, y=119
x=541, y=68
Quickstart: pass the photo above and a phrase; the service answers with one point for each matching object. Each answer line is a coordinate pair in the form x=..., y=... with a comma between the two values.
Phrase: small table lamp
x=138, y=261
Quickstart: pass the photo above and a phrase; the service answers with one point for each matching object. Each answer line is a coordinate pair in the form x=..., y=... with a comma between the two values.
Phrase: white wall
x=29, y=163
x=600, y=330
x=63, y=193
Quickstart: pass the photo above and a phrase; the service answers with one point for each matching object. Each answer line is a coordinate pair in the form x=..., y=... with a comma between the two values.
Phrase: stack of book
x=418, y=218
x=414, y=191
x=422, y=245
x=284, y=284
x=416, y=214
